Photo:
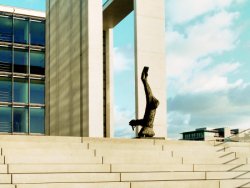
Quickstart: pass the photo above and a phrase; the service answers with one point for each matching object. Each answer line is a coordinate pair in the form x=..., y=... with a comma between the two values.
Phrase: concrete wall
x=74, y=70
x=150, y=51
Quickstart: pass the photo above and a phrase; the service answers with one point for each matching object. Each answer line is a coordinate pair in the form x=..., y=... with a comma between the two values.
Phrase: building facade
x=79, y=36
x=22, y=71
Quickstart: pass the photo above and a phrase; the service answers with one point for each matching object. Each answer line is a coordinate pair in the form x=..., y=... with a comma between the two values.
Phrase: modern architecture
x=22, y=71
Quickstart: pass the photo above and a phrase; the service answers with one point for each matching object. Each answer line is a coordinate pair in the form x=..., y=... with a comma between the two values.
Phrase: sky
x=207, y=65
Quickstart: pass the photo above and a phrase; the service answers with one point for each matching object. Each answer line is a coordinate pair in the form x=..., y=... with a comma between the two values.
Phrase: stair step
x=38, y=159
x=3, y=169
x=227, y=175
x=7, y=186
x=114, y=159
x=162, y=176
x=151, y=167
x=5, y=178
x=77, y=185
x=57, y=168
x=223, y=167
x=65, y=178
x=176, y=184
x=234, y=183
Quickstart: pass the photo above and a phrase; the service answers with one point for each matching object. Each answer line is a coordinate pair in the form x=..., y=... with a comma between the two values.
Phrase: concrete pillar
x=109, y=98
x=74, y=71
x=150, y=51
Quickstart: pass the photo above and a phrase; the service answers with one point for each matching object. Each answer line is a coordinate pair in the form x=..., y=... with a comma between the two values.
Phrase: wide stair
x=71, y=162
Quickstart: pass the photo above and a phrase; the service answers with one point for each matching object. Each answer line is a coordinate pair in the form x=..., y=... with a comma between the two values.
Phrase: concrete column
x=150, y=51
x=109, y=88
x=74, y=70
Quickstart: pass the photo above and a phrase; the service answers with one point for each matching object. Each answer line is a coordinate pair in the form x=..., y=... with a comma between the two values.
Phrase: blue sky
x=207, y=46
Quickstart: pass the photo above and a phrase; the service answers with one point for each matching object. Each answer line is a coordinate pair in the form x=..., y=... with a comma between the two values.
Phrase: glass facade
x=22, y=74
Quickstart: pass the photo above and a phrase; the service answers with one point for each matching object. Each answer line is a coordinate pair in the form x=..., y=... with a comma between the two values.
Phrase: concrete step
x=162, y=176
x=77, y=185
x=222, y=168
x=7, y=186
x=210, y=159
x=5, y=178
x=3, y=169
x=43, y=145
x=114, y=159
x=28, y=138
x=125, y=146
x=65, y=178
x=227, y=175
x=151, y=168
x=57, y=168
x=176, y=184
x=140, y=153
x=48, y=151
x=240, y=183
x=46, y=158
x=1, y=159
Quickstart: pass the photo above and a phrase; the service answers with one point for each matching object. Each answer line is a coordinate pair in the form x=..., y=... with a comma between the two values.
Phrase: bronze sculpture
x=151, y=104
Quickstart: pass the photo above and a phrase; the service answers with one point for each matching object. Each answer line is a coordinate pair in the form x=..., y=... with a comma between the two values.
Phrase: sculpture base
x=154, y=138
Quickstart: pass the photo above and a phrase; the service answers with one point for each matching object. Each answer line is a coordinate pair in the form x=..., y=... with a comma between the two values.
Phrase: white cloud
x=123, y=58
x=181, y=11
x=122, y=118
x=190, y=54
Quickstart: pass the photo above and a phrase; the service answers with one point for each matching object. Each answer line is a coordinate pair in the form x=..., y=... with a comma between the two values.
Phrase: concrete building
x=218, y=134
x=22, y=71
x=79, y=56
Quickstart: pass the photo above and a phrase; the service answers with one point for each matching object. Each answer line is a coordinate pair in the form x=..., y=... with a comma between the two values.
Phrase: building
x=79, y=57
x=22, y=71
x=218, y=134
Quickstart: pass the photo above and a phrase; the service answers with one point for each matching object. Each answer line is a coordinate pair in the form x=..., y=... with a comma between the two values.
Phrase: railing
x=243, y=136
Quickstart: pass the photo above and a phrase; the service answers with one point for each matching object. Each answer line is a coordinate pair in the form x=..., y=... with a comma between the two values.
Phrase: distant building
x=210, y=134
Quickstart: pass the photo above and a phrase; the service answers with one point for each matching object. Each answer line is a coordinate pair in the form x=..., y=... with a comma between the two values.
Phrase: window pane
x=20, y=120
x=37, y=33
x=37, y=91
x=5, y=29
x=37, y=60
x=20, y=31
x=5, y=119
x=5, y=89
x=20, y=91
x=5, y=59
x=37, y=120
x=20, y=61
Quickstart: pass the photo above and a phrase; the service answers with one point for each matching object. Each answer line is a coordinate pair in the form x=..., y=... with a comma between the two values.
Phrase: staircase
x=74, y=162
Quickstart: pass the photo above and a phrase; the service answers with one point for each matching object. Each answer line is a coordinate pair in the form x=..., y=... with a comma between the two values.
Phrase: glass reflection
x=37, y=120
x=37, y=62
x=37, y=91
x=20, y=61
x=20, y=90
x=5, y=29
x=5, y=89
x=5, y=59
x=21, y=31
x=5, y=119
x=20, y=120
x=37, y=33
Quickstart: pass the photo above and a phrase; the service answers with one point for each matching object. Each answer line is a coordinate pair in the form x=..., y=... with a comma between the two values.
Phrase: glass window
x=21, y=31
x=37, y=91
x=5, y=29
x=20, y=61
x=20, y=118
x=5, y=59
x=37, y=33
x=5, y=89
x=20, y=90
x=37, y=120
x=5, y=119
x=37, y=60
